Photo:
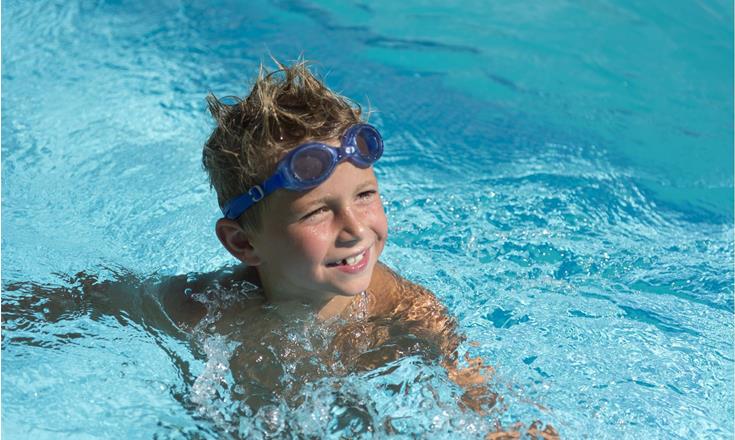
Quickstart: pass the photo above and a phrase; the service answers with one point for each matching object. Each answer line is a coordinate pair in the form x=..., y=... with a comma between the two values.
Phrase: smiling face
x=323, y=242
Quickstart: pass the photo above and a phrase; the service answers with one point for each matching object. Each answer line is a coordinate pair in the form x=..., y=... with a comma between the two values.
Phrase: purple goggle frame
x=310, y=164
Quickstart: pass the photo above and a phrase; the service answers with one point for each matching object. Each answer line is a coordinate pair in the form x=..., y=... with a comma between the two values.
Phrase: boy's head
x=284, y=108
x=317, y=241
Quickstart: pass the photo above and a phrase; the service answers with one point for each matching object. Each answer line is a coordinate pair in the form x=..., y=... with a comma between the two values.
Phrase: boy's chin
x=354, y=288
x=352, y=291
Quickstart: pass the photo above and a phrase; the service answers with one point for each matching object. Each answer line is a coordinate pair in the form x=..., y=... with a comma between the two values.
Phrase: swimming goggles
x=310, y=164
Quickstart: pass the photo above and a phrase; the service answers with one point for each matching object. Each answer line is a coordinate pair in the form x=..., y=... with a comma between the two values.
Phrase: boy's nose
x=351, y=229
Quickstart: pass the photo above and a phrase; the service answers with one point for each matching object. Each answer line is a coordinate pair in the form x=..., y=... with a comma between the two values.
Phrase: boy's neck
x=324, y=307
x=291, y=308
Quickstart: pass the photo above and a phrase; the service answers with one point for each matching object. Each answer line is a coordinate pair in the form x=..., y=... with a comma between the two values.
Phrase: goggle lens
x=368, y=142
x=310, y=164
x=362, y=146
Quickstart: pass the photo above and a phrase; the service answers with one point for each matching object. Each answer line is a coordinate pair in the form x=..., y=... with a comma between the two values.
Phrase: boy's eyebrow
x=361, y=187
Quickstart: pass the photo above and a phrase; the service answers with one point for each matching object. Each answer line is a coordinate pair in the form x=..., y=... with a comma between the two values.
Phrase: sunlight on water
x=559, y=176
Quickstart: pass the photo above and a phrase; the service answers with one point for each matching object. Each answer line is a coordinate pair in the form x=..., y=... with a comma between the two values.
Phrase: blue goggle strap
x=241, y=203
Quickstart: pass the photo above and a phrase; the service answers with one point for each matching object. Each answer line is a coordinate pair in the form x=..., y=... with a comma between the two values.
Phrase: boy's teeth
x=353, y=260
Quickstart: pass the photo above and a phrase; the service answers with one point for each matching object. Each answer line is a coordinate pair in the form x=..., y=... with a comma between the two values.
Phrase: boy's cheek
x=302, y=235
x=380, y=226
x=381, y=222
x=311, y=243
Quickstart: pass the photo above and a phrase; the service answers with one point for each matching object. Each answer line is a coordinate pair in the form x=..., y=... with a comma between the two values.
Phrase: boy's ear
x=236, y=241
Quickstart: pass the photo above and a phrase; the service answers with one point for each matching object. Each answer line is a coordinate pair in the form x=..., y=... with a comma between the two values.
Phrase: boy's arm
x=185, y=311
x=392, y=295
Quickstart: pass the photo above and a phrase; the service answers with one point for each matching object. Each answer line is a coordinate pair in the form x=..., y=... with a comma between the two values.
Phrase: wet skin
x=301, y=250
x=316, y=247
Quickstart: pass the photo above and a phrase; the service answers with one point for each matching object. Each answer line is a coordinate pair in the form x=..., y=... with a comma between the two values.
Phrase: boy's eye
x=367, y=194
x=315, y=212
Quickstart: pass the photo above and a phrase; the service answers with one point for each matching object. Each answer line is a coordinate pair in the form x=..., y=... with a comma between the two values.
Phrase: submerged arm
x=392, y=295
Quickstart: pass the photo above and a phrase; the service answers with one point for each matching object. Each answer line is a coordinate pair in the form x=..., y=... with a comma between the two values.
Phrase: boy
x=292, y=168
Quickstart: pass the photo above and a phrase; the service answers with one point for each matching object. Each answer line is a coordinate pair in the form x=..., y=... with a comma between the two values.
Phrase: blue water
x=559, y=174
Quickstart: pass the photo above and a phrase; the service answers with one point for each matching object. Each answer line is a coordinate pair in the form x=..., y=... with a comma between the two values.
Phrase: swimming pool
x=559, y=175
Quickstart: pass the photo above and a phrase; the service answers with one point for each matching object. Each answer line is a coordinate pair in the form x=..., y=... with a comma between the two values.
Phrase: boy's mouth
x=353, y=263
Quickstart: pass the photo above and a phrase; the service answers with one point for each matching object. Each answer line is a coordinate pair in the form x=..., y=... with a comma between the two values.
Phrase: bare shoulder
x=395, y=293
x=176, y=292
x=385, y=289
x=387, y=280
x=393, y=296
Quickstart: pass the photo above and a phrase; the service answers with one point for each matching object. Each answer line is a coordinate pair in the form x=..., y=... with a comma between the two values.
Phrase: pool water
x=560, y=175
